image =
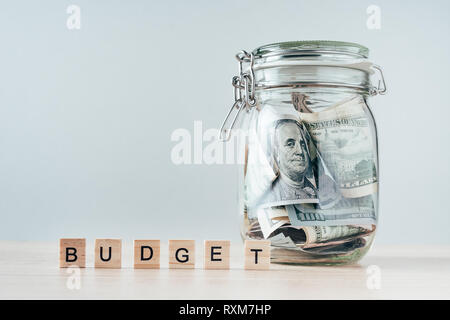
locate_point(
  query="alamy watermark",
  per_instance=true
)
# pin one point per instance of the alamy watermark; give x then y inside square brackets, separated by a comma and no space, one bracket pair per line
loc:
[73,21]
[74,279]
[203,146]
[373,281]
[374,19]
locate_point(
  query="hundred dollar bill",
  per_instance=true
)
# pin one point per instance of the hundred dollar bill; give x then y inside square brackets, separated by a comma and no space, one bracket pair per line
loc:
[319,254]
[343,135]
[357,211]
[339,237]
[322,234]
[268,226]
[259,173]
[305,236]
[317,237]
[278,213]
[280,240]
[284,167]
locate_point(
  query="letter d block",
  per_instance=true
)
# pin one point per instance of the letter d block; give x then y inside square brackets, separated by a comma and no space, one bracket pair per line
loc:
[146,254]
[181,254]
[108,253]
[257,254]
[217,254]
[72,252]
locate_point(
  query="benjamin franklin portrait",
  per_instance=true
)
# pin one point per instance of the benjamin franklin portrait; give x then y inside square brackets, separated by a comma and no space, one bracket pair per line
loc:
[291,157]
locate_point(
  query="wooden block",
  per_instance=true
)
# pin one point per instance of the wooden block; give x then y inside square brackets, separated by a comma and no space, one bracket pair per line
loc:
[108,253]
[181,254]
[217,254]
[72,252]
[146,254]
[257,254]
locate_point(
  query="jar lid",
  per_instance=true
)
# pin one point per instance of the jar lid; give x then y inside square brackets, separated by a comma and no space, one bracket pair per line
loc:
[311,49]
[278,65]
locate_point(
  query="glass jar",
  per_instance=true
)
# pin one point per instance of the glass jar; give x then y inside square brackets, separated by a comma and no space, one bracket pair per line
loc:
[309,175]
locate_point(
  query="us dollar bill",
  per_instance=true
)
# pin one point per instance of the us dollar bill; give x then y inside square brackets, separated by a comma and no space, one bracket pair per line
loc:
[280,240]
[259,172]
[344,137]
[348,211]
[305,236]
[268,226]
[278,213]
[320,234]
[283,166]
[319,237]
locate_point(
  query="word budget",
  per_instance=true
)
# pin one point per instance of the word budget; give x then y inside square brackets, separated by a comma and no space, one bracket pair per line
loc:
[108,254]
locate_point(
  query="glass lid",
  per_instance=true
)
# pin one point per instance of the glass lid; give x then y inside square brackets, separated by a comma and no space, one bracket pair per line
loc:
[311,48]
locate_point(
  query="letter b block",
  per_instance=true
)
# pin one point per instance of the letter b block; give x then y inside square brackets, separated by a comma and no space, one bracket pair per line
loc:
[146,254]
[257,254]
[181,254]
[72,252]
[108,253]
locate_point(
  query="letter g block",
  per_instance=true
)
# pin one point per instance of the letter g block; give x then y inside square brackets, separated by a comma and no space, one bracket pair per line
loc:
[181,254]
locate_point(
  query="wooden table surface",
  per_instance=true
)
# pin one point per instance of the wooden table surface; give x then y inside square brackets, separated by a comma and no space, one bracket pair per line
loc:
[29,270]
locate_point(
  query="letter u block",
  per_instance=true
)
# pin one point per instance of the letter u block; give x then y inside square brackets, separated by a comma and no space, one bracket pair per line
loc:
[181,254]
[72,252]
[108,253]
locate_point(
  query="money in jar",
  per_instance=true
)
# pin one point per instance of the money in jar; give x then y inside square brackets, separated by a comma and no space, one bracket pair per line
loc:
[306,134]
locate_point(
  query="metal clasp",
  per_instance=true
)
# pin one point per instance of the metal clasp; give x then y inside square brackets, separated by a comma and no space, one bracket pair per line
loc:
[381,89]
[244,93]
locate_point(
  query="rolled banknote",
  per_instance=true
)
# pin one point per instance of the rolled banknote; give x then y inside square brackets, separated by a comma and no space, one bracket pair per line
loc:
[356,211]
[306,235]
[324,234]
[324,254]
[308,238]
[344,136]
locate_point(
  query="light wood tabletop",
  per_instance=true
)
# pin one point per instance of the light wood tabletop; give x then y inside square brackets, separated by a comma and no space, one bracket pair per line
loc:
[29,270]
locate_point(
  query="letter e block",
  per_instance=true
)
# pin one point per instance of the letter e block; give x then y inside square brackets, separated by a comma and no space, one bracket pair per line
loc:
[257,254]
[146,254]
[108,253]
[72,252]
[181,254]
[217,254]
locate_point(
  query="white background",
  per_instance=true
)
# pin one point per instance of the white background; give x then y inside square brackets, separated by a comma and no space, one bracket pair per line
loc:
[86,115]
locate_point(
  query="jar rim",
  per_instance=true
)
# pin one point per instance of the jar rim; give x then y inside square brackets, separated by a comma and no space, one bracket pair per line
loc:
[311,46]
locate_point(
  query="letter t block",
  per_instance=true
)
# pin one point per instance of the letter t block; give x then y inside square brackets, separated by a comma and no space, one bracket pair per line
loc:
[257,254]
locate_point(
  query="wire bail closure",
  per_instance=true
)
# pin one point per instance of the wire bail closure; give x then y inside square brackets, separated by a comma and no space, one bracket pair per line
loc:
[381,89]
[244,93]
